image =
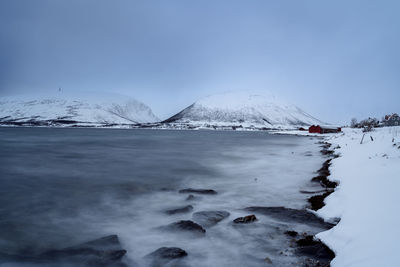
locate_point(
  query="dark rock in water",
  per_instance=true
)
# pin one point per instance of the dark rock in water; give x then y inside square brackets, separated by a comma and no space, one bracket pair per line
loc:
[268,260]
[104,242]
[292,215]
[198,191]
[291,233]
[325,145]
[190,197]
[184,209]
[166,256]
[327,152]
[323,180]
[317,201]
[186,226]
[324,170]
[210,218]
[315,249]
[105,251]
[166,189]
[246,219]
[323,174]
[168,253]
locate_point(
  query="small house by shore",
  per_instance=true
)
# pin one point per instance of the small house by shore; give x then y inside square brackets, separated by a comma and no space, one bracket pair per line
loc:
[323,129]
[392,120]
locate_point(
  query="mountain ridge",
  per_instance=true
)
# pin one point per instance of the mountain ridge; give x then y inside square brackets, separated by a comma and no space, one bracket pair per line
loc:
[81,108]
[242,108]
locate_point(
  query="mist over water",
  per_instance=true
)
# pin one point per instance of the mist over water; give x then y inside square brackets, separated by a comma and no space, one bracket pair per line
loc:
[62,187]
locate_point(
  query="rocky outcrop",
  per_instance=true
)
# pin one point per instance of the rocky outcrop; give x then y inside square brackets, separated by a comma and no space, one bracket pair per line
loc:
[210,218]
[184,209]
[246,219]
[292,215]
[187,227]
[166,256]
[168,253]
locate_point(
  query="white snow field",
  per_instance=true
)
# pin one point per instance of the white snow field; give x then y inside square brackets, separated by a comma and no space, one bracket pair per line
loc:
[90,108]
[246,109]
[367,199]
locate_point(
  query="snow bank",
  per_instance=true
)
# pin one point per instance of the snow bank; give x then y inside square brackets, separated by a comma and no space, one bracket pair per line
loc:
[366,199]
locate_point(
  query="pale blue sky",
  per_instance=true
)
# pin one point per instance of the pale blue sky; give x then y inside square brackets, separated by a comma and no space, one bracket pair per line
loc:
[335,59]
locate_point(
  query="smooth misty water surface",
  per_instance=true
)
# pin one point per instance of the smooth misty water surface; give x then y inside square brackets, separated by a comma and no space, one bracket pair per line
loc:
[60,187]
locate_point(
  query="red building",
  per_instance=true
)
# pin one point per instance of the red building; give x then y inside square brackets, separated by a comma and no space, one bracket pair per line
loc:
[323,129]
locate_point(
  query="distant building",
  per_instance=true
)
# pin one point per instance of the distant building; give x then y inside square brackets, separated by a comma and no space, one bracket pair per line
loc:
[323,129]
[369,123]
[392,120]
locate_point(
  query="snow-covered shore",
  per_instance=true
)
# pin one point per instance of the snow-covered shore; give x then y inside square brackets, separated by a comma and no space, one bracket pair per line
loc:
[366,199]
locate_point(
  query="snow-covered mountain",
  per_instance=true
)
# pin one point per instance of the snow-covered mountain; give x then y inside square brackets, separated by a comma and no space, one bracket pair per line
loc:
[245,109]
[74,108]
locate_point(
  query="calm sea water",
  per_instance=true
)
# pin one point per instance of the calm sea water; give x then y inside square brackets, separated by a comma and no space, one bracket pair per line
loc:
[60,187]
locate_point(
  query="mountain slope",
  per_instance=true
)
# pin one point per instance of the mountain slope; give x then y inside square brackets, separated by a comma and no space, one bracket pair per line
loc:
[241,108]
[82,108]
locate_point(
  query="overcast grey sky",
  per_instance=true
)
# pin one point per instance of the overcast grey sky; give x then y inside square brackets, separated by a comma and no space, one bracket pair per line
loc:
[335,59]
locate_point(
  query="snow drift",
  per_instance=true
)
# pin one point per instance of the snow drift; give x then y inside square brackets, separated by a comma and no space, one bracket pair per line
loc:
[366,199]
[243,108]
[82,108]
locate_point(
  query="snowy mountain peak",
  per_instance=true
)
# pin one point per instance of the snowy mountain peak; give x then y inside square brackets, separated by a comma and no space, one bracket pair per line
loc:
[82,108]
[246,109]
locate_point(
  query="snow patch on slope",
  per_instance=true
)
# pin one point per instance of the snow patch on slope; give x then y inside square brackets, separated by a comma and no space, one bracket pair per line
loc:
[102,108]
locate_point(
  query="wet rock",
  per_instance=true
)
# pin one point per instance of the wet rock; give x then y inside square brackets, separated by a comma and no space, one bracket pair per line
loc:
[246,219]
[327,152]
[291,233]
[209,218]
[324,170]
[292,215]
[317,201]
[198,191]
[315,249]
[190,197]
[324,145]
[323,180]
[168,253]
[184,209]
[268,260]
[110,241]
[166,256]
[323,174]
[186,226]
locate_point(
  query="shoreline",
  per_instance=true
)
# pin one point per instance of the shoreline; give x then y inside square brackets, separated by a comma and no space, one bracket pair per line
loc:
[365,199]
